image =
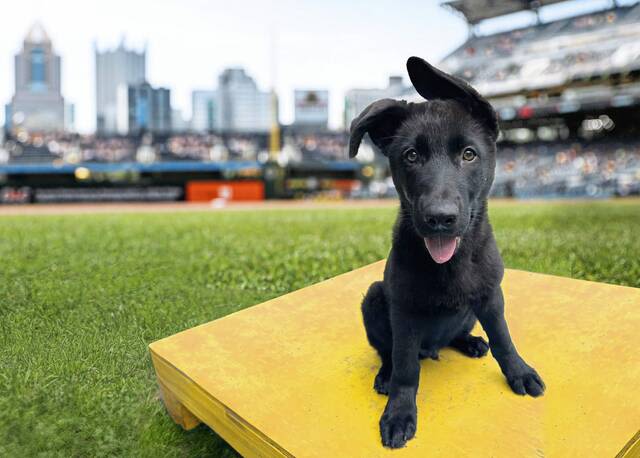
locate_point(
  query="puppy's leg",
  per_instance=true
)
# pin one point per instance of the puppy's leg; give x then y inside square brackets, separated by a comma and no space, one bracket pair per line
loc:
[522,378]
[375,314]
[465,343]
[399,420]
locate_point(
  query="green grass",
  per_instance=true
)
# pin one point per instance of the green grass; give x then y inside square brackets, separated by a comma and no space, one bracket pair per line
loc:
[82,297]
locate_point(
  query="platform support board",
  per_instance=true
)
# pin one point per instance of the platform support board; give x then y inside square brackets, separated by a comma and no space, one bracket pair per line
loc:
[178,412]
[293,376]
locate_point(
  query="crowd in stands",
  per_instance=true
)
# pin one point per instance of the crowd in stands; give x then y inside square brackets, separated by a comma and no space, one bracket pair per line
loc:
[505,43]
[74,148]
[66,147]
[596,168]
[209,147]
[322,147]
[504,56]
[533,169]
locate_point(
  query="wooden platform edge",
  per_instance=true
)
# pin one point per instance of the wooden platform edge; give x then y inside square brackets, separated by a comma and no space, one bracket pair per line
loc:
[188,405]
[632,449]
[177,411]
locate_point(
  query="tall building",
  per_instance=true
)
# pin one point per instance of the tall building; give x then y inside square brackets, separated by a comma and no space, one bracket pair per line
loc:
[357,100]
[37,104]
[203,109]
[115,68]
[311,109]
[241,106]
[178,123]
[7,117]
[69,117]
[143,108]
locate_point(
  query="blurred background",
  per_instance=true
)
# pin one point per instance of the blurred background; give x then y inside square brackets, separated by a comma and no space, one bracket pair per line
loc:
[200,101]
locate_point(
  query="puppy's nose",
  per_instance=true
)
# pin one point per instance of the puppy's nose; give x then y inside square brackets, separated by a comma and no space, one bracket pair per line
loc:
[441,216]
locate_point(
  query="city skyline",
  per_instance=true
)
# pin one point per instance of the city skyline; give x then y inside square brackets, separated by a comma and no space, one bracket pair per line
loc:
[190,43]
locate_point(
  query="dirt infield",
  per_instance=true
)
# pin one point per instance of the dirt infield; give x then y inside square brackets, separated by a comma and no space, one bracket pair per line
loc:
[170,207]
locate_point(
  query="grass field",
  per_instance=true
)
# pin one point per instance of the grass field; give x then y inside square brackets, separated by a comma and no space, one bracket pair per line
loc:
[83,295]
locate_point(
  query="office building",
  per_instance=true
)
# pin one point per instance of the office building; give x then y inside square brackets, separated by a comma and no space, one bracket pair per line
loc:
[115,68]
[69,117]
[311,109]
[203,109]
[178,123]
[37,104]
[357,100]
[240,105]
[142,108]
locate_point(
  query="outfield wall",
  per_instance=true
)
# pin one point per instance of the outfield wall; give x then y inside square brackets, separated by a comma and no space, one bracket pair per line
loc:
[171,181]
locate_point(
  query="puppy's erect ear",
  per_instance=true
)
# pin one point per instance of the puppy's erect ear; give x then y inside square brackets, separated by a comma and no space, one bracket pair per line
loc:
[380,120]
[432,83]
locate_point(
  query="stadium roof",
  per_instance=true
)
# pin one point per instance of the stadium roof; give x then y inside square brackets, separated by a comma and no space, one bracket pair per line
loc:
[478,10]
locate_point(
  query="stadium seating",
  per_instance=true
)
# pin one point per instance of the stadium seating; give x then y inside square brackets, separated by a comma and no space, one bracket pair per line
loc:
[75,148]
[600,168]
[549,53]
[572,169]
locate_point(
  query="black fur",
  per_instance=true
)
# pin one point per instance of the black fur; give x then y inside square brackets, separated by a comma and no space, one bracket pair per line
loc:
[422,306]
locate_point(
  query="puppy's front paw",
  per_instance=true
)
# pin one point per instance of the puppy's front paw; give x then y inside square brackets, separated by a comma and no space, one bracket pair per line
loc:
[397,427]
[526,381]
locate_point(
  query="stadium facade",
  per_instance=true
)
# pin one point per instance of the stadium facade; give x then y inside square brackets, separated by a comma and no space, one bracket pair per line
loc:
[577,64]
[567,94]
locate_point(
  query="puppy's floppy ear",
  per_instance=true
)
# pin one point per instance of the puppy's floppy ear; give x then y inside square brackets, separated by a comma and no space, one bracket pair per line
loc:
[432,83]
[380,120]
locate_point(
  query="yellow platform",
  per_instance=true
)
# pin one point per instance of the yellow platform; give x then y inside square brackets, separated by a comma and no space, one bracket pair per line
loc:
[294,376]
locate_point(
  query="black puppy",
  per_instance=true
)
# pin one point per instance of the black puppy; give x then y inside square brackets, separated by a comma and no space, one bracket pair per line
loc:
[444,269]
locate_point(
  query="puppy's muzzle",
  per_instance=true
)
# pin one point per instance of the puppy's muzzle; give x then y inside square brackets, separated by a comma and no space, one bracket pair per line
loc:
[440,217]
[437,222]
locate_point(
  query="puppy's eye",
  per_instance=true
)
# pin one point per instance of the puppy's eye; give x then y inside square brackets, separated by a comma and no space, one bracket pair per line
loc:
[411,155]
[469,154]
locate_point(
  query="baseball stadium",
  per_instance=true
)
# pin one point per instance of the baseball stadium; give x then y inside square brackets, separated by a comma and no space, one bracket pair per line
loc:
[113,240]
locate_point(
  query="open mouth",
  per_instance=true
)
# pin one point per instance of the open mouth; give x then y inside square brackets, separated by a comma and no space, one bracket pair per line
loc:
[441,248]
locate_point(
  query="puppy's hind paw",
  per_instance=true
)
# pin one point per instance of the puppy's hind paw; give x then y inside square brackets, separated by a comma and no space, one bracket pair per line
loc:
[472,346]
[426,353]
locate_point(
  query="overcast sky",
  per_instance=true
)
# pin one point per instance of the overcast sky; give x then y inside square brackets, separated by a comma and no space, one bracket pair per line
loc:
[322,44]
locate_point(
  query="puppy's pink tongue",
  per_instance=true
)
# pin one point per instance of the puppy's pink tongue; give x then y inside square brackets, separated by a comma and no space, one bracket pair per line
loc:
[441,248]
